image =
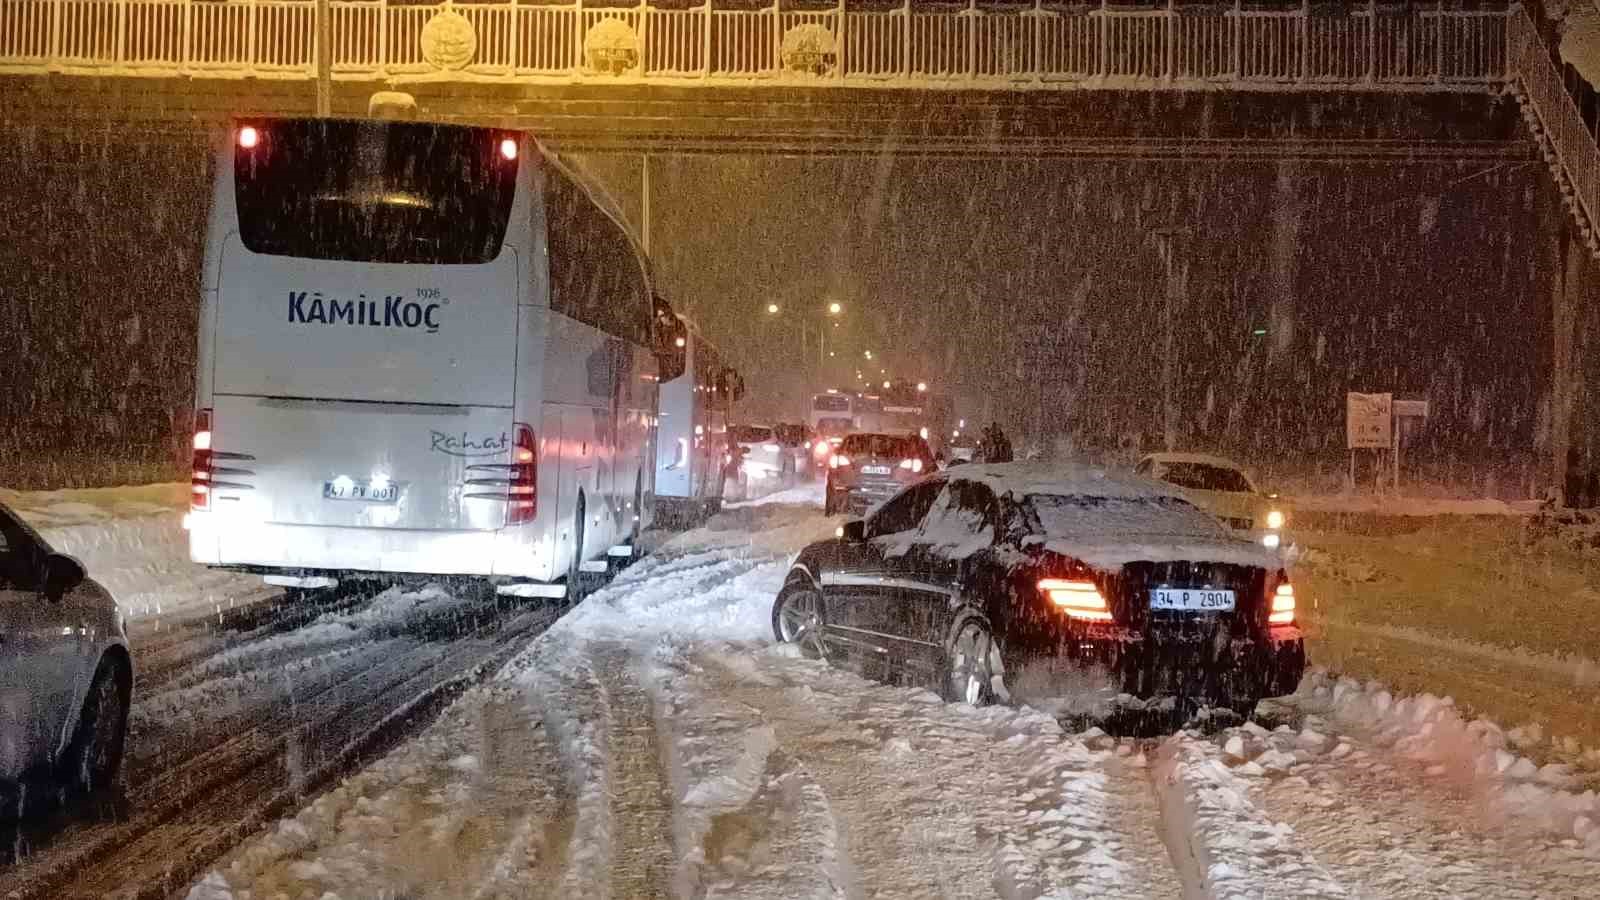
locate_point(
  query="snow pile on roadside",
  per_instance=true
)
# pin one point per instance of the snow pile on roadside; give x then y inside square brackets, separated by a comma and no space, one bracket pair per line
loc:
[1386,505]
[1478,756]
[131,540]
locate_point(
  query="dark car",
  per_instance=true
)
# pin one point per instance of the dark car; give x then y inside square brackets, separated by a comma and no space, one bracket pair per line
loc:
[871,466]
[65,672]
[972,572]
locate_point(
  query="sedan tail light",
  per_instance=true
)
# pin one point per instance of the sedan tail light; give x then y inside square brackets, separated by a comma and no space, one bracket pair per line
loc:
[838,461]
[1078,599]
[1282,605]
[914,465]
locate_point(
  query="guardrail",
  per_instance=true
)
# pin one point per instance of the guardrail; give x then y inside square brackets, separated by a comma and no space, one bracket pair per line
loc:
[906,46]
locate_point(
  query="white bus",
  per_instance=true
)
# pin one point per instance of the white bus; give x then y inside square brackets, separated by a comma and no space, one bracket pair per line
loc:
[694,451]
[424,350]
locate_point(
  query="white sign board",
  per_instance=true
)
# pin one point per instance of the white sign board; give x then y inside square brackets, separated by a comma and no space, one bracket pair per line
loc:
[1410,409]
[1369,420]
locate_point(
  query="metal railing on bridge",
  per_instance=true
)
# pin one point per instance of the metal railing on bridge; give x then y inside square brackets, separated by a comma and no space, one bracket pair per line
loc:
[912,45]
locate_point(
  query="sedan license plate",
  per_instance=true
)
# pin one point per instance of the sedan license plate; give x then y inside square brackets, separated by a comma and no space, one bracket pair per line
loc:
[876,470]
[1191,599]
[364,491]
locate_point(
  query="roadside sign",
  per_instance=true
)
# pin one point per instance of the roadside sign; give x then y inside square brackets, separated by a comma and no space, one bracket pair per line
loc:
[1369,421]
[1410,409]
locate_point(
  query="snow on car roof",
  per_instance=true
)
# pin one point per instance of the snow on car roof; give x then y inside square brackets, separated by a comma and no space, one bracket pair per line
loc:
[1203,458]
[1107,539]
[1021,479]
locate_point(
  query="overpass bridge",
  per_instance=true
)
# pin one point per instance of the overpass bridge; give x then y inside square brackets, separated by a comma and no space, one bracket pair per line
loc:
[1155,79]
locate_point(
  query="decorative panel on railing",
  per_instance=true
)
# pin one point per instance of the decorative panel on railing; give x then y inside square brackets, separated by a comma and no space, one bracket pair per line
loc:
[911,45]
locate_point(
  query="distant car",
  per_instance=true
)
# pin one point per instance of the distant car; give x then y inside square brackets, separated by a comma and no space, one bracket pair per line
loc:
[961,449]
[66,676]
[763,461]
[971,573]
[795,439]
[868,467]
[1221,487]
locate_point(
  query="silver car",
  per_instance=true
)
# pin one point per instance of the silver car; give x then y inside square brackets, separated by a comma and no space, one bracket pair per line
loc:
[65,671]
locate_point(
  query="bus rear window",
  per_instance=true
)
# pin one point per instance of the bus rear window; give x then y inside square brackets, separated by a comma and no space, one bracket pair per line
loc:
[393,192]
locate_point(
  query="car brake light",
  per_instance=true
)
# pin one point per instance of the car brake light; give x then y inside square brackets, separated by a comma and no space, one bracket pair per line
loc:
[522,488]
[1078,599]
[914,465]
[823,448]
[1282,605]
[838,461]
[201,464]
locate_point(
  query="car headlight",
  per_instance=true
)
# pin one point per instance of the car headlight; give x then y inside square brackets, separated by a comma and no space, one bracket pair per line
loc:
[1274,519]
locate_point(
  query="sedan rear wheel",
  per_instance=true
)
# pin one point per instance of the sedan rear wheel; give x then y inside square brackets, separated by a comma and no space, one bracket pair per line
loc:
[797,618]
[971,665]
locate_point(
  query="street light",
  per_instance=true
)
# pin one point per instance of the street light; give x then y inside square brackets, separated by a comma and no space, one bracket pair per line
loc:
[869,354]
[834,309]
[922,387]
[772,309]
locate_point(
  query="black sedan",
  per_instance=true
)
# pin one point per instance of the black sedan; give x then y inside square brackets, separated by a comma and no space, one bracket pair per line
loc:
[972,572]
[871,466]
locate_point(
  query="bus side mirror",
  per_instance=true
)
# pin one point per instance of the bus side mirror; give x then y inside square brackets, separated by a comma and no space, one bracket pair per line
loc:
[672,351]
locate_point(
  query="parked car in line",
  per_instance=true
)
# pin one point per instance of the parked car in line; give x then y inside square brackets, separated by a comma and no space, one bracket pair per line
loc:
[968,574]
[763,461]
[871,466]
[66,676]
[1223,488]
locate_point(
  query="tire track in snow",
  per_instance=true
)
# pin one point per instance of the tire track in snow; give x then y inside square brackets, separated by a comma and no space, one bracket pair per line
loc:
[933,799]
[1222,844]
[642,862]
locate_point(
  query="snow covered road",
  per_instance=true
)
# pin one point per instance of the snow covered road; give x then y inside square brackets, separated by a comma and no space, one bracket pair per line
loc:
[654,743]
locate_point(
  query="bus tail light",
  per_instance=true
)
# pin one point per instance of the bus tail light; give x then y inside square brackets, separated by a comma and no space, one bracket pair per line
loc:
[1078,599]
[522,488]
[249,137]
[508,149]
[202,465]
[1282,605]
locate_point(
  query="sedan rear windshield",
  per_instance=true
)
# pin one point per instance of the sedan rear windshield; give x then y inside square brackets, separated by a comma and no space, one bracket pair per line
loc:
[751,434]
[1084,515]
[881,445]
[1204,477]
[394,192]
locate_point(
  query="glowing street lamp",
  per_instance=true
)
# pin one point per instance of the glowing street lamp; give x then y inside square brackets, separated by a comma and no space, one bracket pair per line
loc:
[869,354]
[772,309]
[834,309]
[922,387]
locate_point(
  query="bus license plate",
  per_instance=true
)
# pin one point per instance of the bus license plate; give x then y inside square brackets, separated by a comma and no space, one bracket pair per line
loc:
[346,489]
[1191,599]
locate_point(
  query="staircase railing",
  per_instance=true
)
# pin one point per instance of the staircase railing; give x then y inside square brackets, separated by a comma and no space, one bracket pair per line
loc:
[1554,115]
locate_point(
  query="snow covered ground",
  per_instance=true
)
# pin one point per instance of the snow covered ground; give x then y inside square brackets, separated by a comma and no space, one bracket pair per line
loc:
[656,743]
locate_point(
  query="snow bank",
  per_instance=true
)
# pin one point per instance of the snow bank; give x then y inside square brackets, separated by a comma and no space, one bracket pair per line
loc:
[131,540]
[1477,756]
